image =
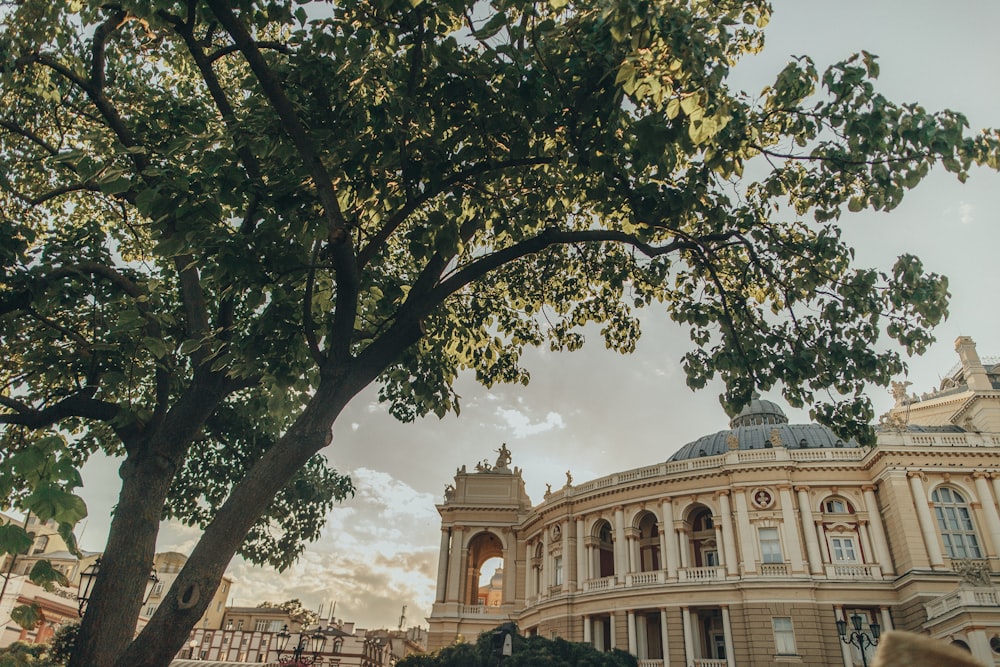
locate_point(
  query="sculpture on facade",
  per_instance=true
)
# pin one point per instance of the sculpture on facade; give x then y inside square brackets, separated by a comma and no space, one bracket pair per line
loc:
[569,478]
[504,458]
[449,492]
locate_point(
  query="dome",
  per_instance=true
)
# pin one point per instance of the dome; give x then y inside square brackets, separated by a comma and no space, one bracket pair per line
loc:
[759,411]
[758,426]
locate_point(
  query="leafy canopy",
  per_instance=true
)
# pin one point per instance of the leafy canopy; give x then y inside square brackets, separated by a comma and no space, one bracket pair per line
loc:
[219,221]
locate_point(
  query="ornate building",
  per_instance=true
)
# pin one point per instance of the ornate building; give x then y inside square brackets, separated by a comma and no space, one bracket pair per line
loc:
[748,545]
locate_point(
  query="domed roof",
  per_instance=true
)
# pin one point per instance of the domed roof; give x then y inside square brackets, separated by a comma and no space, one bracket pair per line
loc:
[755,427]
[759,411]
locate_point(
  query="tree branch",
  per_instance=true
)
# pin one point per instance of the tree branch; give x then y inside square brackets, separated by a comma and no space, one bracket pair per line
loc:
[80,404]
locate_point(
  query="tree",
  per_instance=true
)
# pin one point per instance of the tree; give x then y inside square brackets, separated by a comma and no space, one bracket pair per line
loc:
[219,221]
[21,654]
[296,612]
[526,652]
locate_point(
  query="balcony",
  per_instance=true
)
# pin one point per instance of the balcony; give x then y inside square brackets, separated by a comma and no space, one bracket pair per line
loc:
[853,571]
[602,584]
[774,569]
[483,610]
[962,598]
[645,578]
[706,662]
[701,574]
[650,663]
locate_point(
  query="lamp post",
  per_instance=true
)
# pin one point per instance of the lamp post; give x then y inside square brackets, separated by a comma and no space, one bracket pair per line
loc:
[89,577]
[295,657]
[858,637]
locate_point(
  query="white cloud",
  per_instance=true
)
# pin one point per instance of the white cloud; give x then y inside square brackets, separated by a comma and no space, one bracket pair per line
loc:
[966,213]
[520,424]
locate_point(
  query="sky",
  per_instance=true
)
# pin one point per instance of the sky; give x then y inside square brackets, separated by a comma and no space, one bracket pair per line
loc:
[594,412]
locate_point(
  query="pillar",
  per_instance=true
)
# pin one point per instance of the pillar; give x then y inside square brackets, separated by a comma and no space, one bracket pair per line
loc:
[845,650]
[979,644]
[881,545]
[867,555]
[545,578]
[614,632]
[669,539]
[633,646]
[442,580]
[809,531]
[789,527]
[685,548]
[728,535]
[663,637]
[621,557]
[989,509]
[582,573]
[689,656]
[587,639]
[456,563]
[509,571]
[747,538]
[569,580]
[727,629]
[926,521]
[886,619]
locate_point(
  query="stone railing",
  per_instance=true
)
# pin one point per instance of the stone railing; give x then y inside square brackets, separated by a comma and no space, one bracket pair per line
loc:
[705,662]
[853,571]
[645,578]
[481,610]
[701,574]
[774,569]
[963,597]
[650,663]
[602,584]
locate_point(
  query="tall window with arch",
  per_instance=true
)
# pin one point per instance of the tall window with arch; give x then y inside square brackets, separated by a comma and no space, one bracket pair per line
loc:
[954,520]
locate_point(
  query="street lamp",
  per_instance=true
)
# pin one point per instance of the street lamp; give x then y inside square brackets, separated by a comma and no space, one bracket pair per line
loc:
[313,642]
[89,577]
[858,637]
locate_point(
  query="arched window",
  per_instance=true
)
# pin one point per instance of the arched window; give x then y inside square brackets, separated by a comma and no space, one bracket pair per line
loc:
[955,523]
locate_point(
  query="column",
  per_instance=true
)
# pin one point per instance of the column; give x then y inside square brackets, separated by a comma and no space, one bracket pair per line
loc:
[621,557]
[582,573]
[632,643]
[886,619]
[979,644]
[509,571]
[442,581]
[669,539]
[925,520]
[569,582]
[789,527]
[824,544]
[614,632]
[685,548]
[545,578]
[663,637]
[586,630]
[728,535]
[996,485]
[455,564]
[718,539]
[747,537]
[877,530]
[635,561]
[866,547]
[809,530]
[688,638]
[989,509]
[529,562]
[727,629]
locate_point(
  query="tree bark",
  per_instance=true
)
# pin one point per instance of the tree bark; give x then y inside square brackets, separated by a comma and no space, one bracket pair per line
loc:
[186,601]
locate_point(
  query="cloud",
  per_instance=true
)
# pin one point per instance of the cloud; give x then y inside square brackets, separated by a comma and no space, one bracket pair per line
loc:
[966,213]
[520,424]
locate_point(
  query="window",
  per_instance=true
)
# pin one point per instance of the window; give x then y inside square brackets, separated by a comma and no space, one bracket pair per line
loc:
[239,624]
[837,506]
[558,574]
[150,610]
[770,546]
[843,550]
[261,625]
[711,558]
[157,588]
[784,635]
[955,524]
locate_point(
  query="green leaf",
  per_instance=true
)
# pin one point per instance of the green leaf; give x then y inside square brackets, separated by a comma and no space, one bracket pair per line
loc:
[14,539]
[49,502]
[46,576]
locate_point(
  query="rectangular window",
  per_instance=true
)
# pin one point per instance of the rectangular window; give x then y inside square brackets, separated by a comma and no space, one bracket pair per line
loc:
[150,610]
[784,635]
[261,625]
[558,579]
[770,546]
[843,550]
[711,558]
[239,624]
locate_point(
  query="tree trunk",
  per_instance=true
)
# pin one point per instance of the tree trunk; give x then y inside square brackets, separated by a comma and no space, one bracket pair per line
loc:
[186,601]
[109,622]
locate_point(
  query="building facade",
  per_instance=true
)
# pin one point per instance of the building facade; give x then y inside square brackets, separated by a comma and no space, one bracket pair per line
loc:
[747,545]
